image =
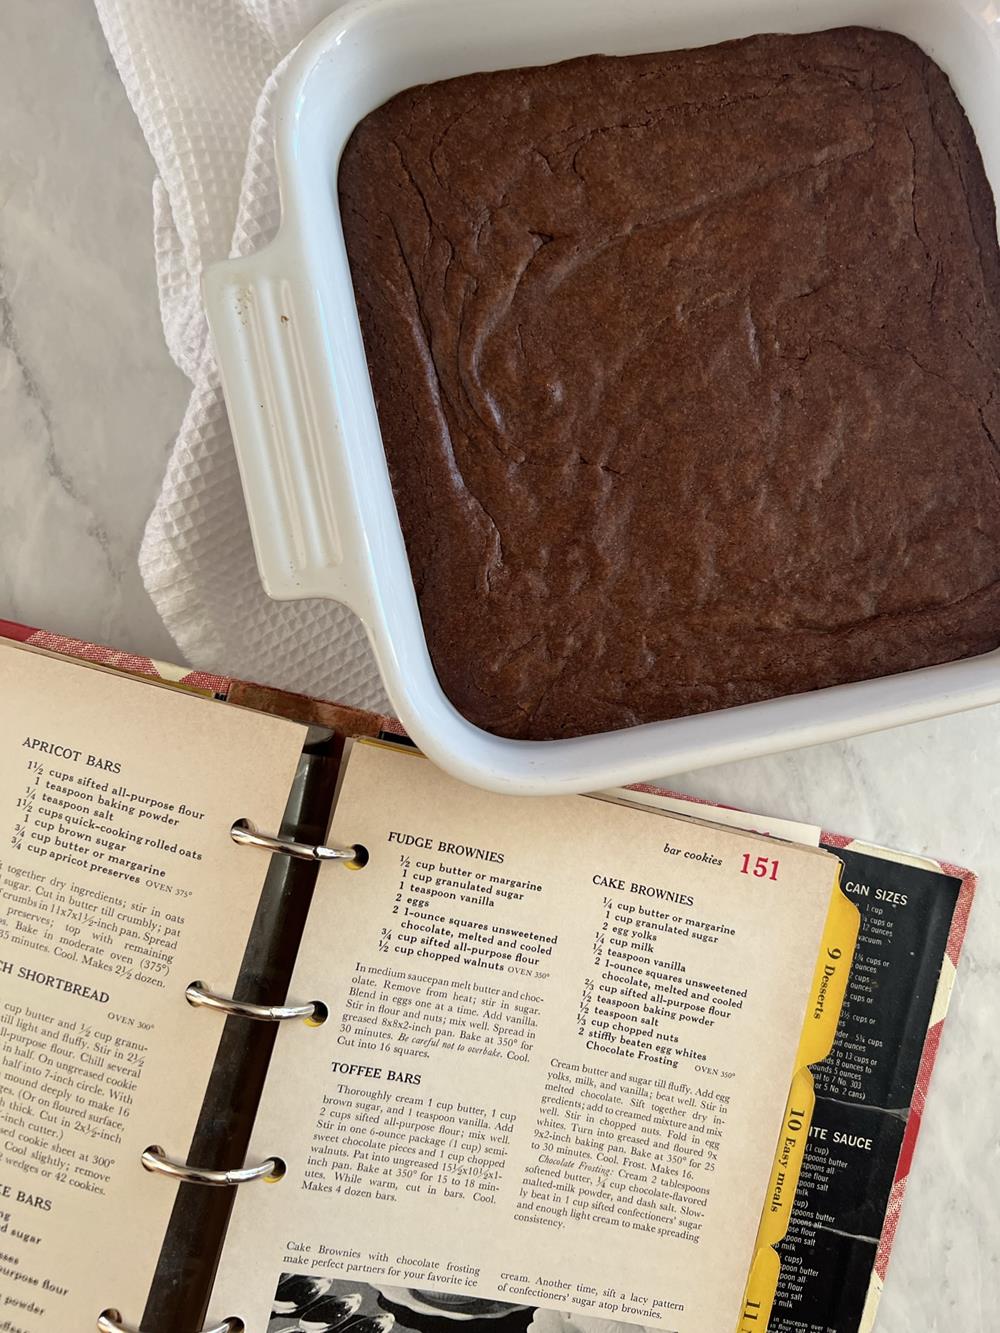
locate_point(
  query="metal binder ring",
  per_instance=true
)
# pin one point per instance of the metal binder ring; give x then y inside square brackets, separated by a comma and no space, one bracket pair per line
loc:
[111,1322]
[155,1159]
[201,997]
[246,835]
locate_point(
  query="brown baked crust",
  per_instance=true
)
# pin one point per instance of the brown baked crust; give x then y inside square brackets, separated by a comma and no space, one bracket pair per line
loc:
[687,370]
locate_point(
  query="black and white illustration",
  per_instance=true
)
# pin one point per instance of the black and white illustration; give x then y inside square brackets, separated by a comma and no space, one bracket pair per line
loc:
[307,1304]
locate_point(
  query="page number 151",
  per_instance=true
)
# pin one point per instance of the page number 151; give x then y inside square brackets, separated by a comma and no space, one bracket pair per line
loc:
[760,867]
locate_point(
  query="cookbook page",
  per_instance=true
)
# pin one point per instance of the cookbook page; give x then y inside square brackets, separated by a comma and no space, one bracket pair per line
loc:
[551,1084]
[119,885]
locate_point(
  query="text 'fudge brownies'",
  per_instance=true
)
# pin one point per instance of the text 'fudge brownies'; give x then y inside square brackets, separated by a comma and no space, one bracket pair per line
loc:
[688,373]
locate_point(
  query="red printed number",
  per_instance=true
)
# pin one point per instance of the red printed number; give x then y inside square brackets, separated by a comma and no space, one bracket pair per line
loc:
[760,868]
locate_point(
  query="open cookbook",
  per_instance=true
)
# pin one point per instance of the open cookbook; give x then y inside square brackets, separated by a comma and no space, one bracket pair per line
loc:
[298,1033]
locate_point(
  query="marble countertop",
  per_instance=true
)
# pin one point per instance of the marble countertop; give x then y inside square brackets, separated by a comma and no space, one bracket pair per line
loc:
[89,398]
[89,401]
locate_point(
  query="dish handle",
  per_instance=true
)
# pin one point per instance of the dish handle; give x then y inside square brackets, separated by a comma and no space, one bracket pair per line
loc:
[264,322]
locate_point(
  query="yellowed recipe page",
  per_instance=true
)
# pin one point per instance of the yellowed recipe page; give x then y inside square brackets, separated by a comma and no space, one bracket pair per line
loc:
[119,885]
[560,1042]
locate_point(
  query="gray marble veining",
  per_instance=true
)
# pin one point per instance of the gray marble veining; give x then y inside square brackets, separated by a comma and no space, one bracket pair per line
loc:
[89,400]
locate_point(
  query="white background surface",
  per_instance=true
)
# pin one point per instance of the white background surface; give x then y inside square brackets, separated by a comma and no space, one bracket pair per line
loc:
[89,401]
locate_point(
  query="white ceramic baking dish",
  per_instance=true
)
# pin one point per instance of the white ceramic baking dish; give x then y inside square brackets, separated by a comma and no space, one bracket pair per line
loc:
[296,382]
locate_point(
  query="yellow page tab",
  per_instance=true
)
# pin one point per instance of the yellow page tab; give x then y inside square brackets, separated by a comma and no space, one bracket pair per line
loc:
[833,969]
[788,1159]
[761,1291]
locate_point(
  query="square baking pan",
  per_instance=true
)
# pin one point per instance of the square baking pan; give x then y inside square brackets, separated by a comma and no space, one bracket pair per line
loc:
[296,381]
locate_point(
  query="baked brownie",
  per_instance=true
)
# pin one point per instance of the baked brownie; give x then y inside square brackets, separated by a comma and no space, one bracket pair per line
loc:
[687,367]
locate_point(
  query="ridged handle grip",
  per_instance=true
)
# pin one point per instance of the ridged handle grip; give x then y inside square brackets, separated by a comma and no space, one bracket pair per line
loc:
[263,324]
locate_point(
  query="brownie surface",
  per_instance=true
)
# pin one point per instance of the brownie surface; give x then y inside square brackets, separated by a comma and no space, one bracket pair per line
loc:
[687,370]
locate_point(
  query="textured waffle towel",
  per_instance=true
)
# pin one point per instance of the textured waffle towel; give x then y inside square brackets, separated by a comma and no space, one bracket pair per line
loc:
[201,76]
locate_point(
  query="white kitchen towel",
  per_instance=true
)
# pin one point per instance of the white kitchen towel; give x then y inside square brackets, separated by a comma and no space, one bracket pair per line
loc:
[201,76]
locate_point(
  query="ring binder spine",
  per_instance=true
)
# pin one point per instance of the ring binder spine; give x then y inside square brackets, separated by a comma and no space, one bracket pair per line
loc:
[155,1159]
[180,1290]
[110,1321]
[244,833]
[199,995]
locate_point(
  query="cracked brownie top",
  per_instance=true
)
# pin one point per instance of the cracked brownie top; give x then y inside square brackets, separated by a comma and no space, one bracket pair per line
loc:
[687,370]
